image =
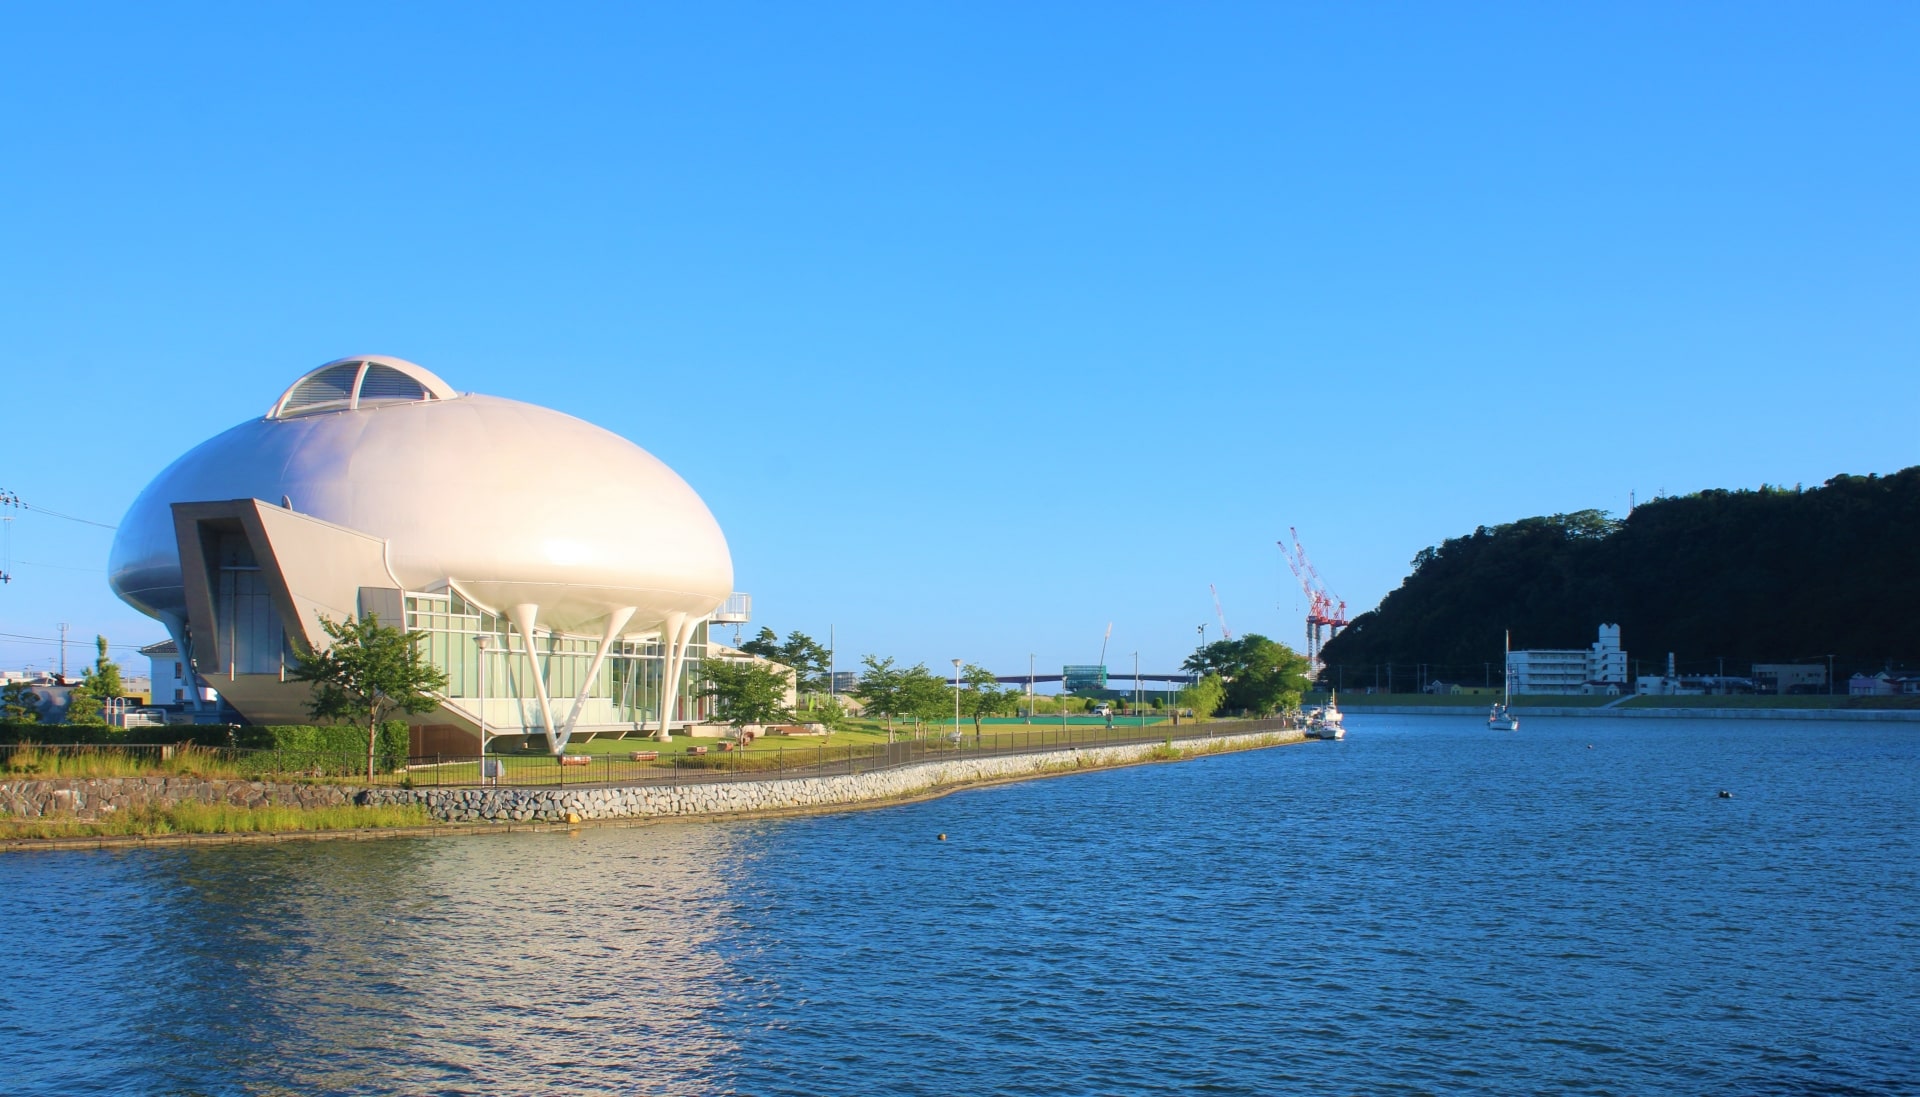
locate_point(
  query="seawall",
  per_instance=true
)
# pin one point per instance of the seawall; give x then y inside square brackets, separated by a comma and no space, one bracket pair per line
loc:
[90,799]
[794,794]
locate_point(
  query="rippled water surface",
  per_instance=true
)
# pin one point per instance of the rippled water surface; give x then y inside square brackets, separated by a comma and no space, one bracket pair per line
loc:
[1427,907]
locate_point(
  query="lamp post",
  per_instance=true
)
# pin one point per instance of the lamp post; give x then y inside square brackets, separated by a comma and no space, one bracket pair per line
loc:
[481,705]
[956,700]
[1029,687]
[1137,692]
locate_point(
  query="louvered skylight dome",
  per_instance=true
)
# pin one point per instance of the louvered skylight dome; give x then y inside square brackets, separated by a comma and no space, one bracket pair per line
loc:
[350,384]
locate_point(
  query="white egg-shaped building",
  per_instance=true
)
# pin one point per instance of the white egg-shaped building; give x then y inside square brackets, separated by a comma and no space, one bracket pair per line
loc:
[498,528]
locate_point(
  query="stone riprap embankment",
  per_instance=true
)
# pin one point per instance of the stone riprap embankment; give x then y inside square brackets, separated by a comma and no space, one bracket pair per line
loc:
[793,794]
[89,799]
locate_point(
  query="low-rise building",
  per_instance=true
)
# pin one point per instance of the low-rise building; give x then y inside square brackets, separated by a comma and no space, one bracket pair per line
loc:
[1781,678]
[1601,668]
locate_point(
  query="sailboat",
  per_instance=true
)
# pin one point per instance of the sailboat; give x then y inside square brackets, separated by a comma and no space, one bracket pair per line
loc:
[1502,717]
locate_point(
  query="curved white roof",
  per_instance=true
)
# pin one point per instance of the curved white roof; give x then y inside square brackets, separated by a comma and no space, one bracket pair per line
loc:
[511,502]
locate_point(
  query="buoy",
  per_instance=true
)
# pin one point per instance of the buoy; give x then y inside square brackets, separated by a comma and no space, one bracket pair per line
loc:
[572,818]
[943,837]
[1725,795]
[1589,746]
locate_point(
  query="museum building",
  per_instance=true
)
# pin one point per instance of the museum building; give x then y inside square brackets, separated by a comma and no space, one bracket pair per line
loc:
[564,578]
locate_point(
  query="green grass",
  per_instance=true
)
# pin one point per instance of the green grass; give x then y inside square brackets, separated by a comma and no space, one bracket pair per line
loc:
[1791,701]
[185,761]
[219,819]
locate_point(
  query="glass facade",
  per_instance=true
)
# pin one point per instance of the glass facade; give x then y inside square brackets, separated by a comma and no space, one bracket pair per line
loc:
[625,691]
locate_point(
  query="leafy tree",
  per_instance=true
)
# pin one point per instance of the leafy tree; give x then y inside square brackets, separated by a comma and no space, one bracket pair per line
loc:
[1205,696]
[829,713]
[99,684]
[745,692]
[924,695]
[880,688]
[1260,676]
[981,695]
[17,705]
[806,656]
[368,672]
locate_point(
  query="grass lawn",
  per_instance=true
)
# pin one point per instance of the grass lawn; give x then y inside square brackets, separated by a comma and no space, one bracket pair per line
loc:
[218,819]
[1790,701]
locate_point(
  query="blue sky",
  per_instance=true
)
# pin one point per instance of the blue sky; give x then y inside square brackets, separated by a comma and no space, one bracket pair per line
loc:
[980,326]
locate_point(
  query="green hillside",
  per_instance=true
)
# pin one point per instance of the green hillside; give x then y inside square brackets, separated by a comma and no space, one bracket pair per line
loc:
[1773,575]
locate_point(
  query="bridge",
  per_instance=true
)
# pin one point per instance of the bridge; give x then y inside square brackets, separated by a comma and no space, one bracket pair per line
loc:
[1184,678]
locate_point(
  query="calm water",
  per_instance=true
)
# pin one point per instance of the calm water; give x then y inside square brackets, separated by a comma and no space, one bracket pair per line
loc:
[1427,907]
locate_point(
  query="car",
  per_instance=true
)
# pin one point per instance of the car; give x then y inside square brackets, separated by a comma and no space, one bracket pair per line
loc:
[1103,710]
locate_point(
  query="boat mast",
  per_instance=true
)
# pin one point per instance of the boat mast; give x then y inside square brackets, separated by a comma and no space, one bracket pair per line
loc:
[1506,672]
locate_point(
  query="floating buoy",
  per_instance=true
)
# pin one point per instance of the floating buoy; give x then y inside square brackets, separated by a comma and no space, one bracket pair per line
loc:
[1589,746]
[572,818]
[943,837]
[1725,795]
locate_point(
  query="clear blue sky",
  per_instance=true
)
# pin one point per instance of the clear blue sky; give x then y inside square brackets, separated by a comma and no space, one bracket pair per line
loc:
[980,326]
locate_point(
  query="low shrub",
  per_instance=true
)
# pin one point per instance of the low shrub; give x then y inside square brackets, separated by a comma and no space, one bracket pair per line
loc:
[329,746]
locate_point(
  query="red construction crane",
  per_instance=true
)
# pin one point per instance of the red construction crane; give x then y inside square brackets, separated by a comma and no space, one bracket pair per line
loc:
[1324,610]
[1225,632]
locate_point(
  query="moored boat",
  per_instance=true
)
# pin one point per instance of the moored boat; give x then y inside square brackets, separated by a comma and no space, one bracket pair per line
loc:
[1502,717]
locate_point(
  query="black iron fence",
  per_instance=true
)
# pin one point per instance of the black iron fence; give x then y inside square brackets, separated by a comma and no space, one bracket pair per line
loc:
[621,762]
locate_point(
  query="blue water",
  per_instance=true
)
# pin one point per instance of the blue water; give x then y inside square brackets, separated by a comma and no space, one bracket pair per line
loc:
[1427,907]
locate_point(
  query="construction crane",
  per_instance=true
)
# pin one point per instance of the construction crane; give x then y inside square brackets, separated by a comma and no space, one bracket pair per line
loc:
[1225,632]
[1326,613]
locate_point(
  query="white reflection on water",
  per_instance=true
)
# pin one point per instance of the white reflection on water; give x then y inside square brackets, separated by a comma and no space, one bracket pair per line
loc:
[540,963]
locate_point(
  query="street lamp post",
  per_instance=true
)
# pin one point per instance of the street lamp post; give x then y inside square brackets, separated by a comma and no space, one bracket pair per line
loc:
[1030,687]
[956,700]
[480,706]
[1138,693]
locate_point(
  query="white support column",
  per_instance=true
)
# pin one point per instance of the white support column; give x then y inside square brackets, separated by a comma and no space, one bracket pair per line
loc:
[615,623]
[670,670]
[522,616]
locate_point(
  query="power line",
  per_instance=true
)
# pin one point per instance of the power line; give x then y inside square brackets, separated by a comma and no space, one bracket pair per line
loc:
[12,499]
[55,640]
[60,565]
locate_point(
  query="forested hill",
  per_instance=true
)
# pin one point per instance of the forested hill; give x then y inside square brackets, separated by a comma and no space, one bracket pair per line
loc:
[1774,575]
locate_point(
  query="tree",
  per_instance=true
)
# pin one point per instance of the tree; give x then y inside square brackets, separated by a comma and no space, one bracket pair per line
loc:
[879,688]
[17,704]
[745,692]
[1205,696]
[924,696]
[368,672]
[99,684]
[981,695]
[806,656]
[1260,676]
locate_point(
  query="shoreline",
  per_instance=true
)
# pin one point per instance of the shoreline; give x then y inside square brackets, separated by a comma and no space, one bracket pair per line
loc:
[1047,764]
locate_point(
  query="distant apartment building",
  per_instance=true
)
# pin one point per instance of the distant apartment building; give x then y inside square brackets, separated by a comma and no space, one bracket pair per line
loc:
[1601,668]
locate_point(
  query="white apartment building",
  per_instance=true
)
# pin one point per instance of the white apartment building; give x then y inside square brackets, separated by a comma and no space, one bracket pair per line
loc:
[1601,668]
